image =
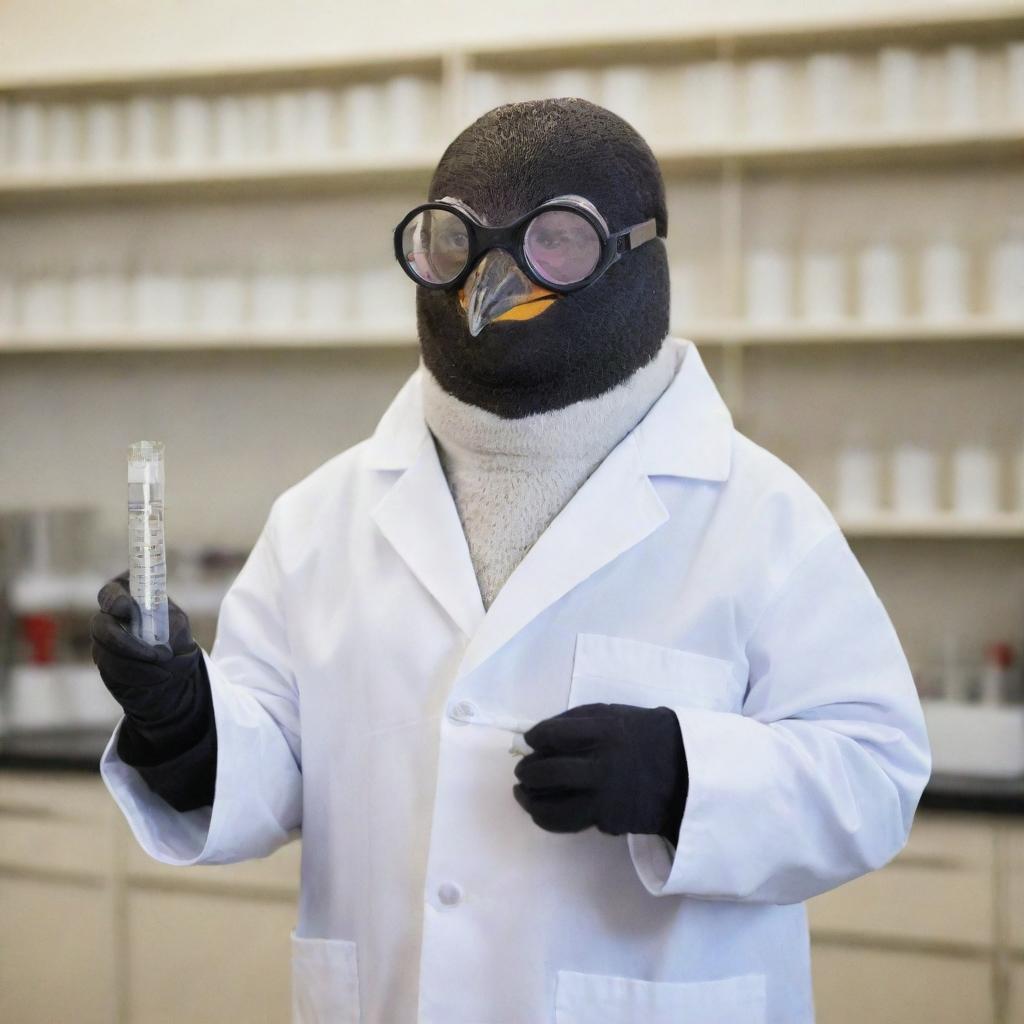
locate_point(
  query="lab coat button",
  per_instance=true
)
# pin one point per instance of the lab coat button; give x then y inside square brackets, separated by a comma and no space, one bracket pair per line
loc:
[464,710]
[449,894]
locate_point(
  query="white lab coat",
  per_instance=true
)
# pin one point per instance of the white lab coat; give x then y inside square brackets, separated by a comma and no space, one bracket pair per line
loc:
[363,695]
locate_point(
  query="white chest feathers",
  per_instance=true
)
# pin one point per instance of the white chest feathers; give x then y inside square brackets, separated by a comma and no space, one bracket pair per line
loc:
[510,477]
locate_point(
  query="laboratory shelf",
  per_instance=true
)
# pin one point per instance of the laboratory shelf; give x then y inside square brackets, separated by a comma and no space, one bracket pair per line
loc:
[1005,526]
[338,175]
[387,335]
[169,181]
[853,331]
[400,335]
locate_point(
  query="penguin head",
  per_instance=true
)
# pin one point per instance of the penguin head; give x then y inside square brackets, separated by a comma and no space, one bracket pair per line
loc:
[548,349]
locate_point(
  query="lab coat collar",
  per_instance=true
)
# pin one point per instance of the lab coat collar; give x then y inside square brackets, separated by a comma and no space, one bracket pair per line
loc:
[687,432]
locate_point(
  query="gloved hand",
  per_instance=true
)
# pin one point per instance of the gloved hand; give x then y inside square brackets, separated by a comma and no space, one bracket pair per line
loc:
[169,734]
[620,768]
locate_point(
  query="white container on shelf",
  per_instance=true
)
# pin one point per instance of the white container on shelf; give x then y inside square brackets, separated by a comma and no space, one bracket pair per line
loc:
[273,300]
[830,84]
[943,280]
[1005,277]
[768,286]
[326,300]
[766,98]
[975,482]
[626,91]
[975,739]
[961,82]
[1015,80]
[5,131]
[405,112]
[103,124]
[142,118]
[363,119]
[39,697]
[317,141]
[42,303]
[63,143]
[822,288]
[230,129]
[160,300]
[881,283]
[191,130]
[286,115]
[915,481]
[7,292]
[899,86]
[27,131]
[709,100]
[257,142]
[97,301]
[858,484]
[220,301]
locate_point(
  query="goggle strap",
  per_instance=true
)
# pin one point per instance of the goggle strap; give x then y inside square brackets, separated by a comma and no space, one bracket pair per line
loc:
[640,233]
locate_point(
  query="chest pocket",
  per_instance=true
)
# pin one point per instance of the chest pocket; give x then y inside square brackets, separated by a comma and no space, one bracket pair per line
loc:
[617,670]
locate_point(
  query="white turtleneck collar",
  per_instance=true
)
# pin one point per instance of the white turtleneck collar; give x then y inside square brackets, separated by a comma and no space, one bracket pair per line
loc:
[510,477]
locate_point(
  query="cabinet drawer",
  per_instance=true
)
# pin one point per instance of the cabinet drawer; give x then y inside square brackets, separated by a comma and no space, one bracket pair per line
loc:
[1015,889]
[58,824]
[856,986]
[208,958]
[939,889]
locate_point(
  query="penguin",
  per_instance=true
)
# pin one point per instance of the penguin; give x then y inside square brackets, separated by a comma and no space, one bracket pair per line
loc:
[525,389]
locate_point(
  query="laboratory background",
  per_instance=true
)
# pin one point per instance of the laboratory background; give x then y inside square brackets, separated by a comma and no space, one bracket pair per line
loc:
[196,206]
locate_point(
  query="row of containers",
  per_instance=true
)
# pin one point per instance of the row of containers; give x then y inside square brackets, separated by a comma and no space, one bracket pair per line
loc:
[972,482]
[942,281]
[896,89]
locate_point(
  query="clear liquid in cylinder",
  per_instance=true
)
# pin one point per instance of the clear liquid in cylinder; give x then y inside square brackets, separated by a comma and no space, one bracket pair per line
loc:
[147,563]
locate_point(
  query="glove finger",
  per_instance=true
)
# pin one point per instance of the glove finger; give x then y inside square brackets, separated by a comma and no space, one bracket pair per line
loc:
[115,599]
[110,634]
[541,774]
[555,814]
[567,733]
[181,641]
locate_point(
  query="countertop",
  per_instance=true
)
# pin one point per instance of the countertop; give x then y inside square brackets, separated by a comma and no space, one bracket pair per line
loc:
[79,750]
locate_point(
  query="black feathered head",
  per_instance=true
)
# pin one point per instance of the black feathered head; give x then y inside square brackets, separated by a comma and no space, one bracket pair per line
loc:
[574,345]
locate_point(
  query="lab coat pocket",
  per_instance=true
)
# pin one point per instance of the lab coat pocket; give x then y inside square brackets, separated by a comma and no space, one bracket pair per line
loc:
[604,999]
[325,981]
[617,670]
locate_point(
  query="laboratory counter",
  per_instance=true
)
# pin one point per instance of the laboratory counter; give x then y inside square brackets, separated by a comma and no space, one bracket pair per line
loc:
[79,750]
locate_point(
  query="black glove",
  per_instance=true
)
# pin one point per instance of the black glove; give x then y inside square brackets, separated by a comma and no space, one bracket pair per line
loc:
[618,767]
[169,734]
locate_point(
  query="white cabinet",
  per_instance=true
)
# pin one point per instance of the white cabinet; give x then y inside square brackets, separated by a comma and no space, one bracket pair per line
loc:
[885,986]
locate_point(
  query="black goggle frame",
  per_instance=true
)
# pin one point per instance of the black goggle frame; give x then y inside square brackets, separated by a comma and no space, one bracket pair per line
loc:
[510,237]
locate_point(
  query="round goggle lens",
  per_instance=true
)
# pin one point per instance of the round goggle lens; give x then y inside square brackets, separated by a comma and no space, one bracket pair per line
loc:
[436,246]
[562,246]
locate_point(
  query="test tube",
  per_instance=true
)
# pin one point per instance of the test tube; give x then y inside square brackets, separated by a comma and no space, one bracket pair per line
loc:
[146,560]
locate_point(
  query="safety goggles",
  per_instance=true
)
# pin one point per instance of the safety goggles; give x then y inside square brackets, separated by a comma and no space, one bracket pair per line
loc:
[564,244]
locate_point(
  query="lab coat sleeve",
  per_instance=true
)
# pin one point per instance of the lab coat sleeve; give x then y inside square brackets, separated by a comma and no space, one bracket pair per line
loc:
[258,796]
[817,780]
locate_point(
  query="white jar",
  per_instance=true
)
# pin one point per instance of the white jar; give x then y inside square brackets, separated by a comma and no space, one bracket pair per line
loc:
[159,300]
[881,285]
[975,482]
[766,98]
[191,134]
[944,281]
[103,129]
[363,119]
[683,292]
[405,112]
[219,301]
[915,480]
[830,92]
[626,90]
[326,300]
[27,134]
[822,290]
[899,74]
[769,286]
[858,485]
[143,129]
[230,129]
[42,303]
[274,300]
[1005,277]
[961,80]
[63,127]
[1015,80]
[709,100]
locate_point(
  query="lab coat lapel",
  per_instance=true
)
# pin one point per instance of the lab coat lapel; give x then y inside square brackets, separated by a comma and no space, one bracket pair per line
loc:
[616,508]
[417,514]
